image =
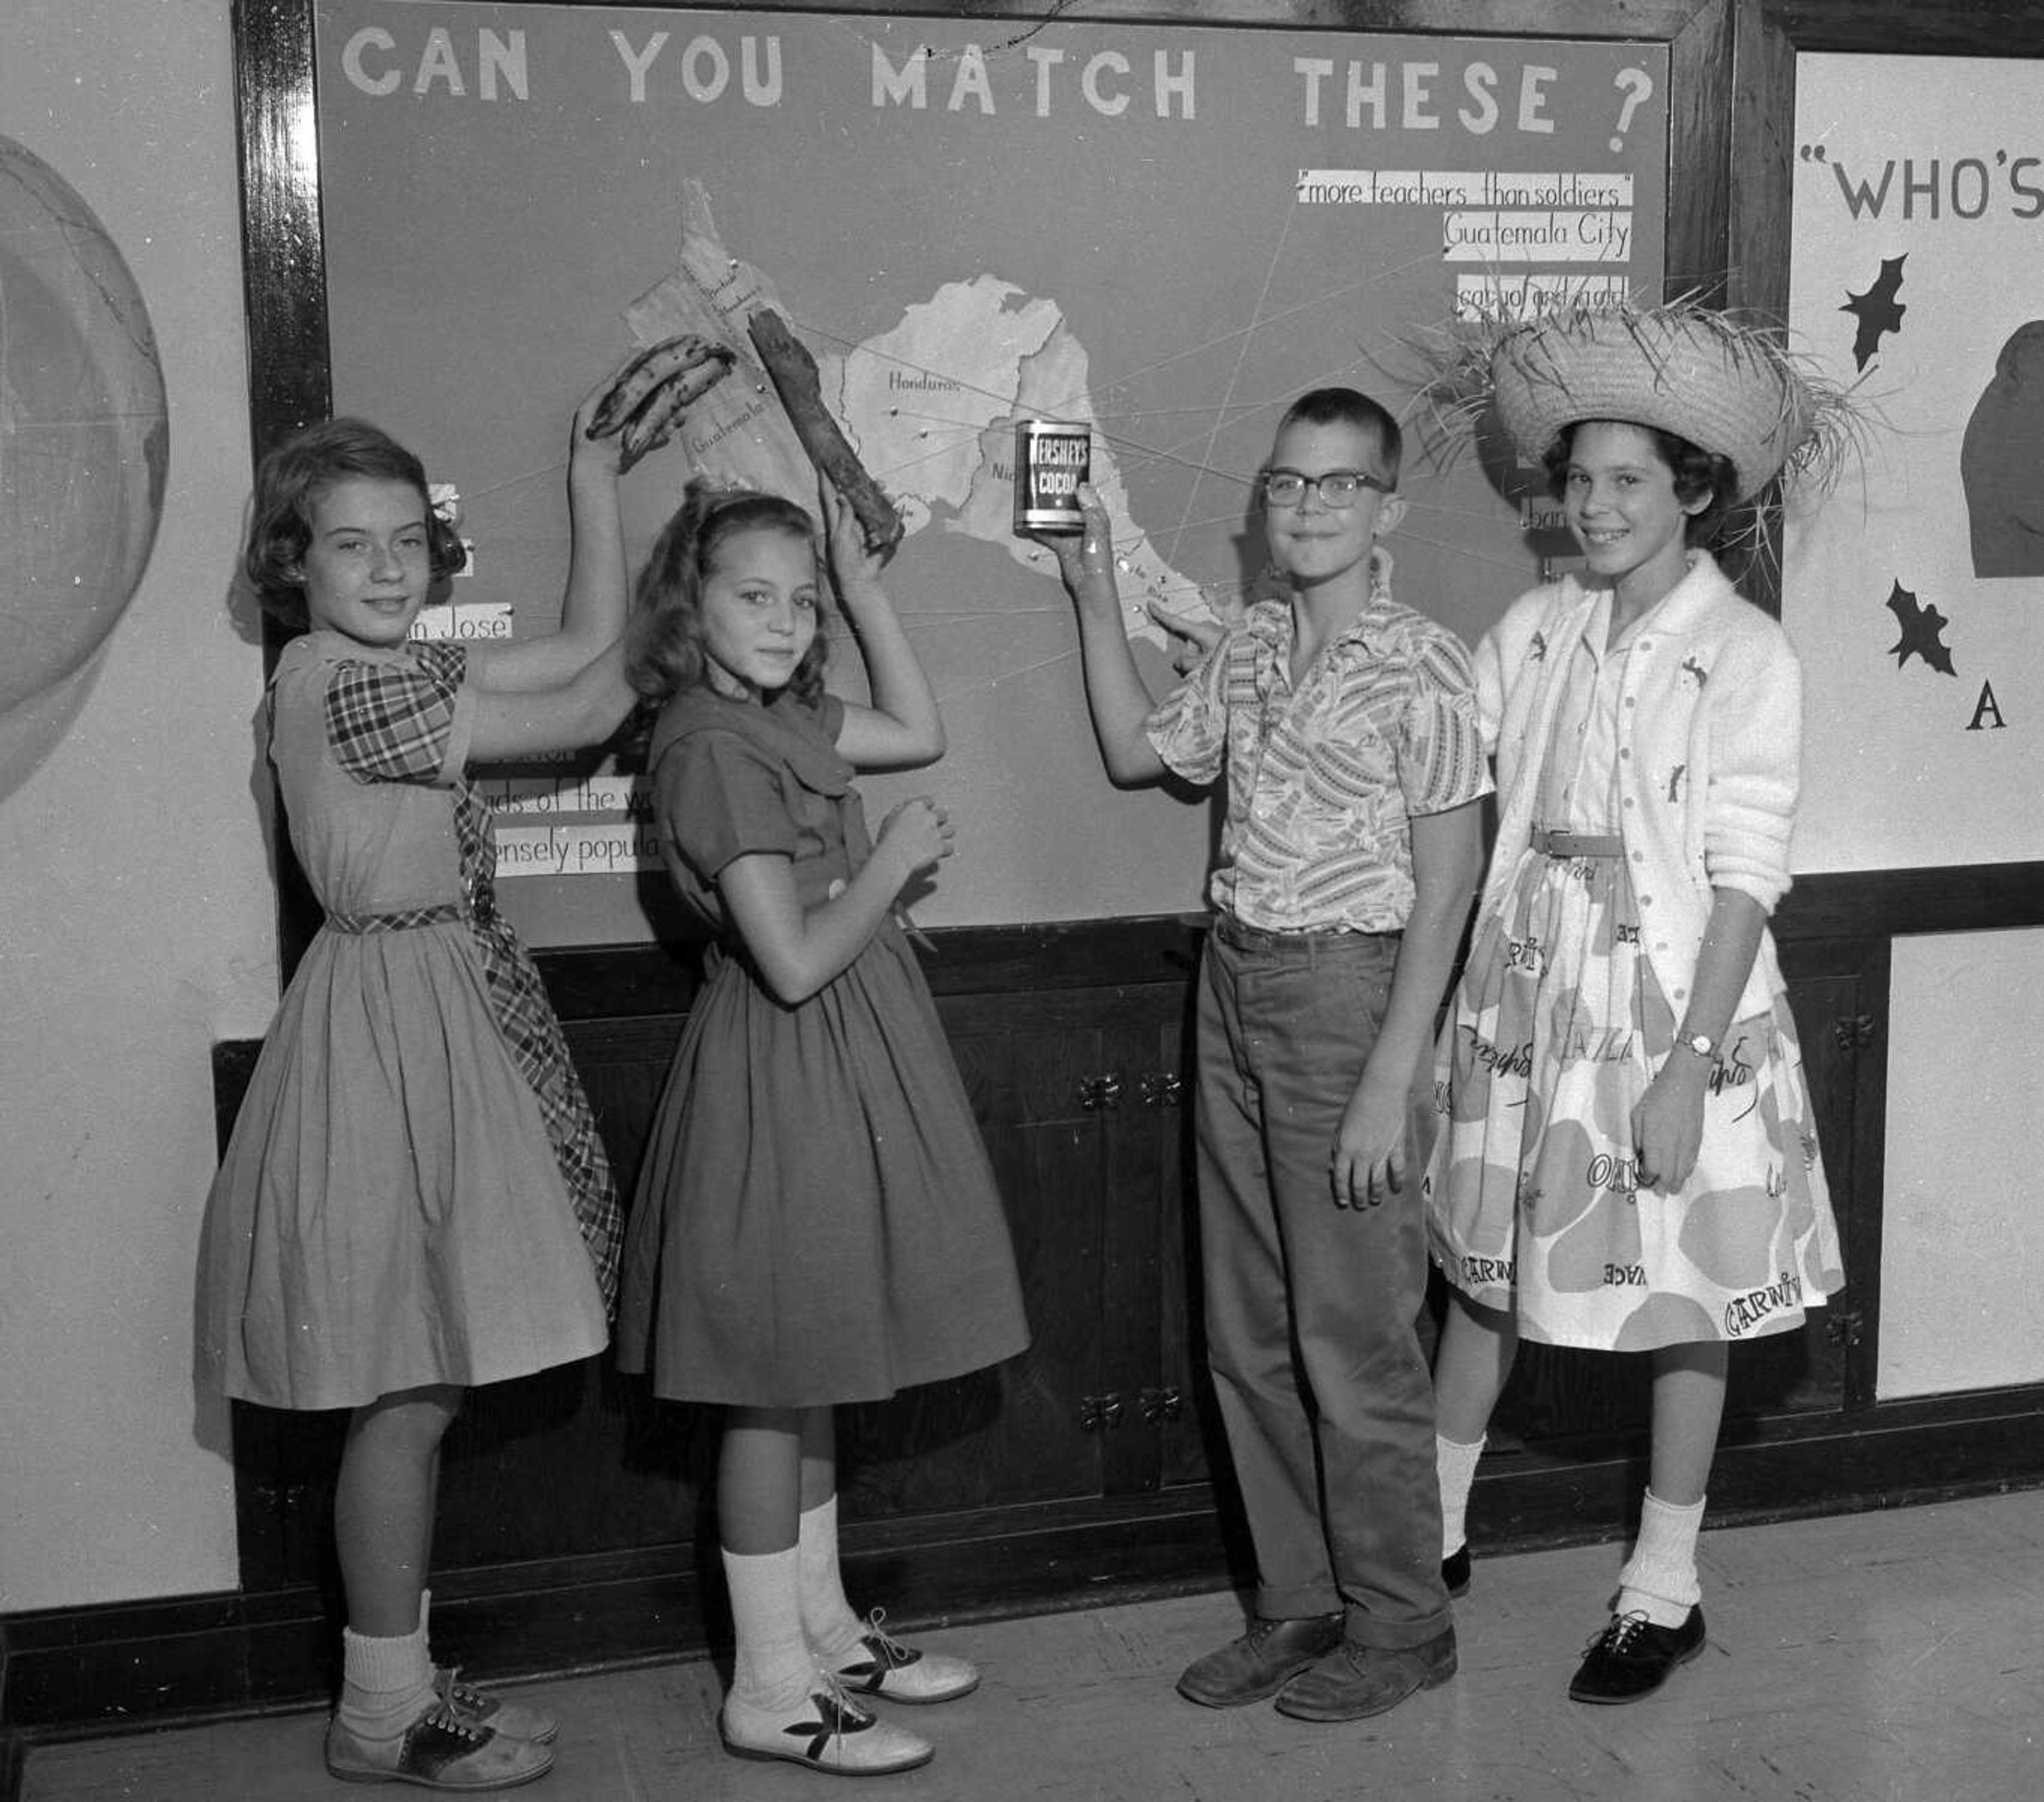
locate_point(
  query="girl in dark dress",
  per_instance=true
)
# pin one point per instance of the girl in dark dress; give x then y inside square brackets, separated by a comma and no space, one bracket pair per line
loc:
[817,1220]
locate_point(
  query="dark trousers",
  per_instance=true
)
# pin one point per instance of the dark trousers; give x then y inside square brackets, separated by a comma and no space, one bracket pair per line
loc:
[1312,1310]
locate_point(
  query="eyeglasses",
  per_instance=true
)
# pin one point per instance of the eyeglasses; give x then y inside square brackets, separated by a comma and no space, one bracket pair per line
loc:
[1335,487]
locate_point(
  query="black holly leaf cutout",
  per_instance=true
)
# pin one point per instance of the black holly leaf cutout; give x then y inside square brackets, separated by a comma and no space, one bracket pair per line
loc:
[1921,625]
[1877,309]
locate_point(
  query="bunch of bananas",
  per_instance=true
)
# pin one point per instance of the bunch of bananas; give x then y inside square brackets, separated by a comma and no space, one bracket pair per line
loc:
[646,402]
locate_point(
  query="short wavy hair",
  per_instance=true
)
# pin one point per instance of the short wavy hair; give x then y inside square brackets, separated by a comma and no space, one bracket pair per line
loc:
[663,648]
[1697,472]
[291,477]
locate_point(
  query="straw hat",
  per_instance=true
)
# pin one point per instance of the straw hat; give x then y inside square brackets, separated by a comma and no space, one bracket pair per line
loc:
[1727,388]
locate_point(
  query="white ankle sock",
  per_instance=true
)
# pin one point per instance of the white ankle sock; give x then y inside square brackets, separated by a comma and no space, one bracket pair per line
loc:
[1659,1580]
[829,1622]
[1454,1465]
[387,1684]
[772,1668]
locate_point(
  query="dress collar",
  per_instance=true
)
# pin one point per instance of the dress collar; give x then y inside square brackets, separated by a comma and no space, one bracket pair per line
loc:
[785,729]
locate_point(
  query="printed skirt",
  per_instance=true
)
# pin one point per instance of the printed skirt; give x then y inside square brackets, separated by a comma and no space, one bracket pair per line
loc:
[1534,1201]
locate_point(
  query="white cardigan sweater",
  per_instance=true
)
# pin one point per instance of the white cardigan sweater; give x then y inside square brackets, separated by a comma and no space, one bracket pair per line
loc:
[1710,737]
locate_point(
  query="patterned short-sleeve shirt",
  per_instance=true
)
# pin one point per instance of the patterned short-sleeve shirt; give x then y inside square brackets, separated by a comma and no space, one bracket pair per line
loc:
[1323,779]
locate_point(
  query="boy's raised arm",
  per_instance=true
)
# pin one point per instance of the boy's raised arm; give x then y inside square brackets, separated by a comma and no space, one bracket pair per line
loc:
[1116,696]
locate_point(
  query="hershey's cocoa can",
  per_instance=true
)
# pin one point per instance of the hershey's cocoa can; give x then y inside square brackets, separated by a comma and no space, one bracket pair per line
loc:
[1051,459]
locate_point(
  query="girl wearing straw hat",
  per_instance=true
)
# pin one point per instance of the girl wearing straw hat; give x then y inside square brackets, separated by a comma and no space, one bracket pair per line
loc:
[1628,1159]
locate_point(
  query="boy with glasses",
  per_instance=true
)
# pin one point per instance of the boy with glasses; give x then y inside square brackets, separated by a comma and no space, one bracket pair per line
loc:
[1345,726]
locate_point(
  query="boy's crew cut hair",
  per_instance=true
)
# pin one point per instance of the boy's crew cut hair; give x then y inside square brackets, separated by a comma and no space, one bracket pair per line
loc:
[1350,406]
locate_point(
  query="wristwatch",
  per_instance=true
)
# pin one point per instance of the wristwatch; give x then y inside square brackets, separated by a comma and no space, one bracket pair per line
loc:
[1705,1046]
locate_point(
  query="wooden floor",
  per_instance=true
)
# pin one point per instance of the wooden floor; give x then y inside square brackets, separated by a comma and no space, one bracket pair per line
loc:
[1888,1657]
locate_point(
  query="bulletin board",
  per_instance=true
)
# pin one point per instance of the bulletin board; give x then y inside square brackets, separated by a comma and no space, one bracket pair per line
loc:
[1916,593]
[1163,220]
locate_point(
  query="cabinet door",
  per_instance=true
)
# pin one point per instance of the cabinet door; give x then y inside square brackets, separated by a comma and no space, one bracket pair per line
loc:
[1076,1093]
[1018,1432]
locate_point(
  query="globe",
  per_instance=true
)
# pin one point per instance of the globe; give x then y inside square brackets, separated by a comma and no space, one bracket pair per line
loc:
[84,447]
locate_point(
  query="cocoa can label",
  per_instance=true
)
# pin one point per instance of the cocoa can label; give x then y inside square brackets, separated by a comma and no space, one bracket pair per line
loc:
[1051,459]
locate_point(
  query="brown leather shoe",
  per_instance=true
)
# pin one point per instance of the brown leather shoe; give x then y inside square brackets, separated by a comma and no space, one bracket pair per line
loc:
[1354,1681]
[1261,1663]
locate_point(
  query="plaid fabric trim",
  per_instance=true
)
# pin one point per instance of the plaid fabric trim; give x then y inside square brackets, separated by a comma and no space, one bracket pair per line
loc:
[401,921]
[526,1018]
[390,722]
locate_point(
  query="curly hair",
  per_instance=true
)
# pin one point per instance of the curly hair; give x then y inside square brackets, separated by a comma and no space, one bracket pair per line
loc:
[1697,473]
[291,479]
[1350,406]
[663,649]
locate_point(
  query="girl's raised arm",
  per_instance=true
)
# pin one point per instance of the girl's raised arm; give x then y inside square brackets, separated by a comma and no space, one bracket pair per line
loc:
[567,688]
[592,609]
[902,728]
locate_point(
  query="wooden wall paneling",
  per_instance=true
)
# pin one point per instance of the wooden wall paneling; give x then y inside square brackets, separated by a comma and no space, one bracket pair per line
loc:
[1699,82]
[1763,120]
[1891,904]
[1140,1161]
[1926,28]
[1190,1450]
[284,258]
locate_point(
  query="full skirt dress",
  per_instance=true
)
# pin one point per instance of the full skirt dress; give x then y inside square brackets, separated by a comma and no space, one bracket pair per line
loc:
[414,1191]
[817,1220]
[1535,1206]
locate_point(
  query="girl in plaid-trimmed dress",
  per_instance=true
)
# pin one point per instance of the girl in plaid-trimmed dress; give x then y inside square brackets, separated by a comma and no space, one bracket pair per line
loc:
[1628,1159]
[414,1198]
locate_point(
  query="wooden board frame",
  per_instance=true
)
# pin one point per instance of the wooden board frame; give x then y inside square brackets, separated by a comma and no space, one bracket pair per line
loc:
[284,263]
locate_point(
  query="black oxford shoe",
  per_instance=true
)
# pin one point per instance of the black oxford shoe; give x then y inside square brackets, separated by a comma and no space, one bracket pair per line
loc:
[1632,1657]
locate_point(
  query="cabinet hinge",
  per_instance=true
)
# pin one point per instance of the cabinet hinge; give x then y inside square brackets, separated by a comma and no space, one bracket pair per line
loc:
[1163,1089]
[1098,1413]
[1099,1092]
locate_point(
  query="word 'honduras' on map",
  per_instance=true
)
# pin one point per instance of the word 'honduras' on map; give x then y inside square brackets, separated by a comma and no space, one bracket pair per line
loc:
[929,405]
